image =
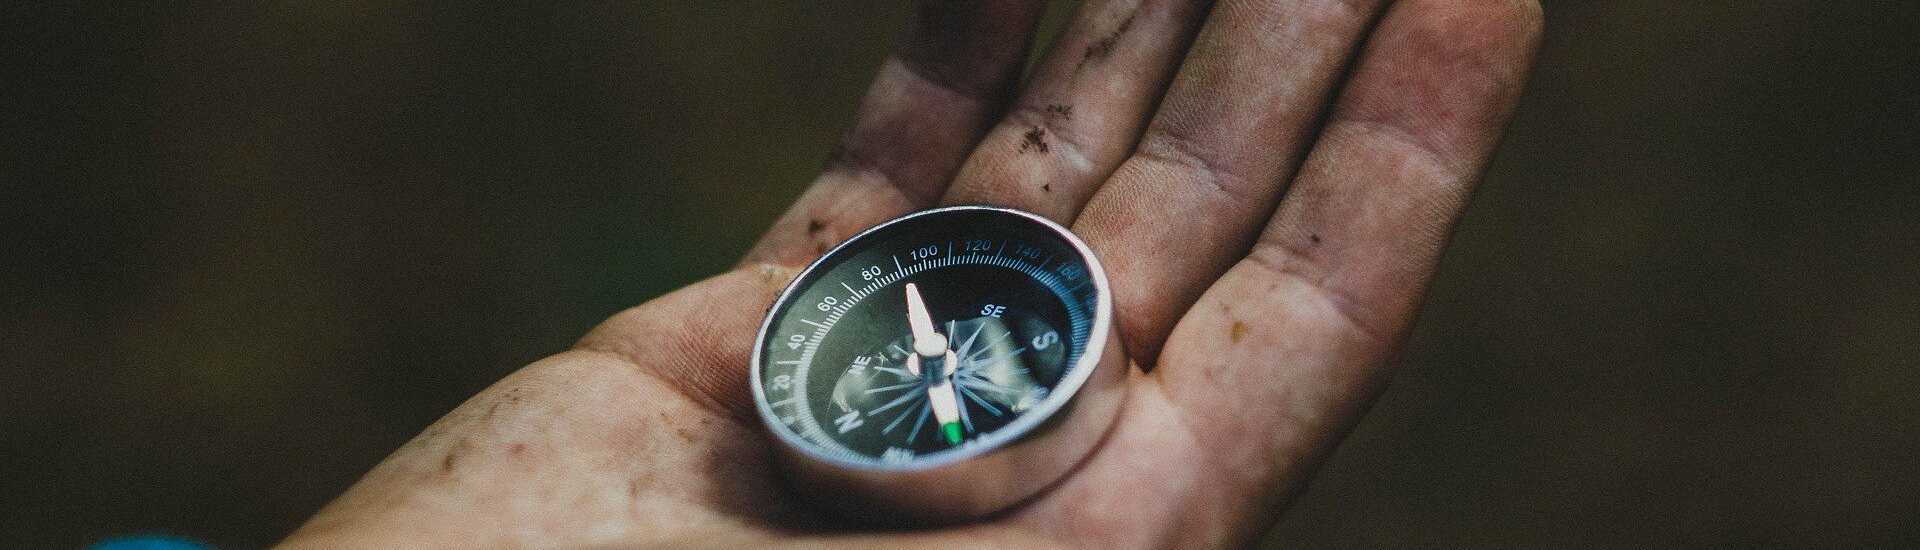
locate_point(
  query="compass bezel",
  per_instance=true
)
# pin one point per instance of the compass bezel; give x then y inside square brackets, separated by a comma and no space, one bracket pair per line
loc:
[997,468]
[1061,392]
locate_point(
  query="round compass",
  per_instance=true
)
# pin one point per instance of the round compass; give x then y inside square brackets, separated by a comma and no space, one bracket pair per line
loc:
[940,366]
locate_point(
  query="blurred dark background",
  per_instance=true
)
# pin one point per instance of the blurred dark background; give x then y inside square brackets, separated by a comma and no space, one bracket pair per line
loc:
[250,248]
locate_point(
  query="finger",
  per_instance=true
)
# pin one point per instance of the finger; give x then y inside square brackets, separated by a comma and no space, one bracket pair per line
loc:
[1079,114]
[947,80]
[1210,166]
[1280,358]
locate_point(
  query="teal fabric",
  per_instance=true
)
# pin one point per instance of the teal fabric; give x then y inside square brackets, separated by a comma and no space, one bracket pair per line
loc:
[148,542]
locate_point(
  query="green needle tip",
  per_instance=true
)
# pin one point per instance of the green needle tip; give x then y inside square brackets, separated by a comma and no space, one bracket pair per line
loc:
[952,429]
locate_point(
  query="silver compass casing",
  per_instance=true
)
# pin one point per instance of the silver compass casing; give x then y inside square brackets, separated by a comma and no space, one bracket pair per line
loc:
[1024,458]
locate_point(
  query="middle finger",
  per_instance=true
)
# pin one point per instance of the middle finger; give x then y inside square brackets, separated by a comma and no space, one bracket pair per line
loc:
[1214,161]
[1079,115]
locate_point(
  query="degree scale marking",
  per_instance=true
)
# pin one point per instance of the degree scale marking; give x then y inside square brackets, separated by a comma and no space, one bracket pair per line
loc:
[1046,278]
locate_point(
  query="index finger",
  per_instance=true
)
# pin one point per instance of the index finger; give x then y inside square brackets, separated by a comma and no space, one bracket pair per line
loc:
[951,74]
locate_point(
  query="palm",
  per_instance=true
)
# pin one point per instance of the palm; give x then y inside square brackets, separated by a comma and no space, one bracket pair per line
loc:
[1268,227]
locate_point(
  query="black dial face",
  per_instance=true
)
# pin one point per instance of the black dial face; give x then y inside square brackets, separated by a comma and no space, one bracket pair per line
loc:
[931,337]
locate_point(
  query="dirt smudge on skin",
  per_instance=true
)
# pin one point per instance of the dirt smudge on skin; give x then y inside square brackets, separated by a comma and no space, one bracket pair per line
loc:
[679,426]
[1103,47]
[1035,140]
[452,460]
[512,396]
[1237,332]
[1315,237]
[770,275]
[1046,187]
[1058,111]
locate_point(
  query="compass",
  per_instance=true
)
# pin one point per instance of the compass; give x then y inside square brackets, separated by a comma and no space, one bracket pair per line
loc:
[940,366]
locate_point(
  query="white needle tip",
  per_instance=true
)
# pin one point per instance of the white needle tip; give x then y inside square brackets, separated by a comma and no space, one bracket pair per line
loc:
[931,345]
[926,341]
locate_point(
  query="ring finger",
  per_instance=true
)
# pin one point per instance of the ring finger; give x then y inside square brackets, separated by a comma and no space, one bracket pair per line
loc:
[1213,163]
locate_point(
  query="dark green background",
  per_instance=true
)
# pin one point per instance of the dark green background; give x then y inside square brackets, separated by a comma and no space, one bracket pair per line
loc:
[251,248]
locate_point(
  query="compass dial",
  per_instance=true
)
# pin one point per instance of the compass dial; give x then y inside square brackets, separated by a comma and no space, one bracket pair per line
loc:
[937,337]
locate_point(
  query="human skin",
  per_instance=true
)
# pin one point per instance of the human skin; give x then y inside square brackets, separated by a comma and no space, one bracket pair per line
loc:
[1269,184]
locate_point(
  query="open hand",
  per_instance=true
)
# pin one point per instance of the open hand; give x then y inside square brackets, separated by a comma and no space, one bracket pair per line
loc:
[1269,183]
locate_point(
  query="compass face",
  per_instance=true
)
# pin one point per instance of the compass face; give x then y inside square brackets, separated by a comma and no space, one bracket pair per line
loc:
[930,339]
